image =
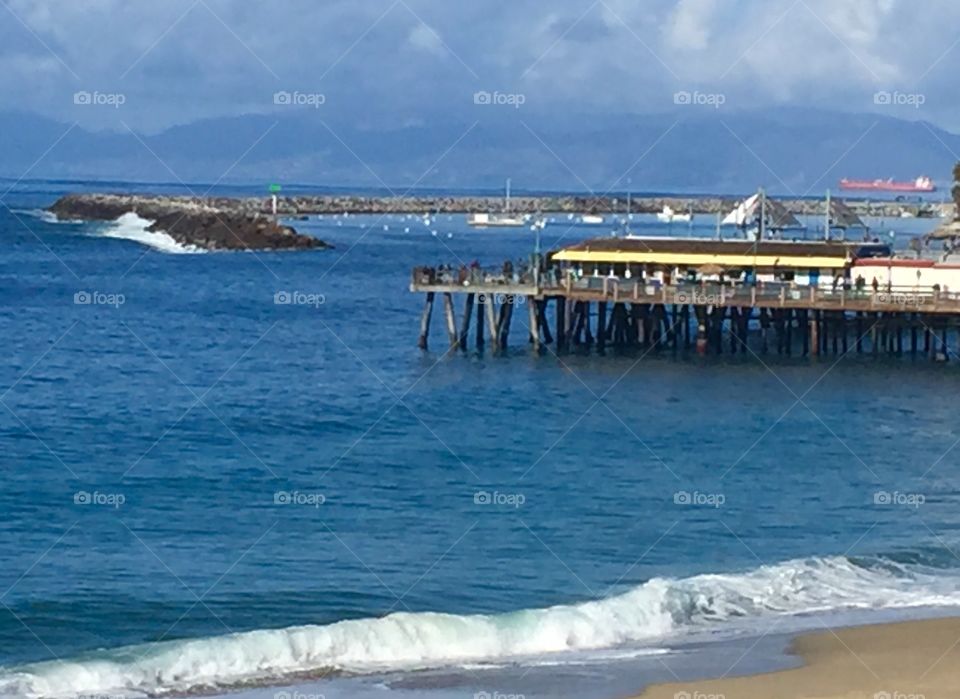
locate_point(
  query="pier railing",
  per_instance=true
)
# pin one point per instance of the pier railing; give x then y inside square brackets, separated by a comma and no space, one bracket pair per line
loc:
[759,295]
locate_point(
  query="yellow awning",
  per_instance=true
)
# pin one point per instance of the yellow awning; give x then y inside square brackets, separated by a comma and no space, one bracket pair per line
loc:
[672,259]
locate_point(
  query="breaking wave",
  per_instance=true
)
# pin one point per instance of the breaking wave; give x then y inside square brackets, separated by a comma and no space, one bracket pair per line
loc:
[132,227]
[660,608]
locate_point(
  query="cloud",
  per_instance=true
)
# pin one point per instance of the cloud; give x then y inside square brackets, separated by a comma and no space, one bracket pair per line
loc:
[426,39]
[690,25]
[179,60]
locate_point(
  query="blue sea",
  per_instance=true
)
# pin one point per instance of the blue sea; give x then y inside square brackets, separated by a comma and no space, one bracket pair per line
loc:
[209,492]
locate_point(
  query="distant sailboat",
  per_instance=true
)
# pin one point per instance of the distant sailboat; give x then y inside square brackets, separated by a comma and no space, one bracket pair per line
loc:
[498,220]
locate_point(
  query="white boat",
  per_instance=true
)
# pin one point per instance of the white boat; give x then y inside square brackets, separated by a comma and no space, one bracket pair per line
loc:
[504,219]
[591,220]
[668,215]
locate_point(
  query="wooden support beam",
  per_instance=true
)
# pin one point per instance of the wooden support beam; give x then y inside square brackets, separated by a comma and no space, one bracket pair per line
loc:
[481,302]
[561,321]
[490,304]
[465,327]
[685,316]
[576,332]
[601,325]
[587,332]
[425,321]
[534,322]
[788,333]
[506,316]
[544,325]
[451,320]
[814,334]
[836,326]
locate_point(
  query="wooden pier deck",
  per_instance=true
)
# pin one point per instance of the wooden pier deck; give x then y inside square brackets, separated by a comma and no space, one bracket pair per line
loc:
[609,311]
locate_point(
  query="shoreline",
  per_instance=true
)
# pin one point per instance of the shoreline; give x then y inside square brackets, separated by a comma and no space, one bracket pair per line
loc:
[912,659]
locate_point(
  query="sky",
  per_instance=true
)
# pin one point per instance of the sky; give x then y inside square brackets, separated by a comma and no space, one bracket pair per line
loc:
[149,65]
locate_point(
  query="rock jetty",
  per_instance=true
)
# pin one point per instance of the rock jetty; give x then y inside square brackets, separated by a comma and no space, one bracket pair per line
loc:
[206,223]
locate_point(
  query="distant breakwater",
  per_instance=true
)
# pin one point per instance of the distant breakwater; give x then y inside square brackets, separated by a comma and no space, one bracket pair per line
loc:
[575,204]
[257,210]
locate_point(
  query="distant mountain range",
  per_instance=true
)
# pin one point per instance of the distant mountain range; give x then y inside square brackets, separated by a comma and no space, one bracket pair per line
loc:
[788,150]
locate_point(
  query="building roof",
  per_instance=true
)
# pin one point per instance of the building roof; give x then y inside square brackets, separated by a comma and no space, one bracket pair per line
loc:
[842,216]
[692,252]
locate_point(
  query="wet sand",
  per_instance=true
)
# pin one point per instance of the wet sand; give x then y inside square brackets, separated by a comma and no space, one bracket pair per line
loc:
[908,660]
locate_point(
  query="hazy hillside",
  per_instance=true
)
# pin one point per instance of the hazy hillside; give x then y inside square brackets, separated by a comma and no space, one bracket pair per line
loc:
[788,150]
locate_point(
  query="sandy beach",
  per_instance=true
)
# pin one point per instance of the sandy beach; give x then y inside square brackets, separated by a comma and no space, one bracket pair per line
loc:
[909,660]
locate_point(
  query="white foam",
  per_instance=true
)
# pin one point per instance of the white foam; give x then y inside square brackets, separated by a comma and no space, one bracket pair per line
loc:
[660,608]
[43,215]
[131,227]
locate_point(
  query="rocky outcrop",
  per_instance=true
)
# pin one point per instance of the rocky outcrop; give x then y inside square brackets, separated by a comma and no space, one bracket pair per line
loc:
[210,224]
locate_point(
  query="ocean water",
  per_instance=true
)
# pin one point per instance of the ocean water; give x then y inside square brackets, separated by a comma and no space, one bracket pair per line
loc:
[205,489]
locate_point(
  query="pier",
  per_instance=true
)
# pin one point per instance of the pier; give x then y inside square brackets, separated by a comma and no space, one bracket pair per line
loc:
[707,296]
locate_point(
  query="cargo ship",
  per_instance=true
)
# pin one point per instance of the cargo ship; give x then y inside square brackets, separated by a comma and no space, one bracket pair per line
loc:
[921,184]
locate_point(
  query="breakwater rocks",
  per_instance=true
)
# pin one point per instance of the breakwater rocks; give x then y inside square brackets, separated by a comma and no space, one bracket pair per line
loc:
[206,223]
[250,218]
